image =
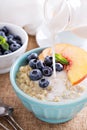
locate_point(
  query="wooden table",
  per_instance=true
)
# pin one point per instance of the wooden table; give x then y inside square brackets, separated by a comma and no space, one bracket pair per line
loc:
[25,118]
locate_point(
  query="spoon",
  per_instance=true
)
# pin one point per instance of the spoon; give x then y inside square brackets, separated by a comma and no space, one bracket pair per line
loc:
[6,112]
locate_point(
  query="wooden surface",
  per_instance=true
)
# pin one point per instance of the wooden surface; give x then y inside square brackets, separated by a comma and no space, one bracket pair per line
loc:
[25,118]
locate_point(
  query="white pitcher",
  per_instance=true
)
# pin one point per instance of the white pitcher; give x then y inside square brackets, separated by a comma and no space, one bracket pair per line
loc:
[61,15]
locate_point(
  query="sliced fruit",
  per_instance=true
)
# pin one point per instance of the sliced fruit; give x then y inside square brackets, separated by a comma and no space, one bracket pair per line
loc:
[77,57]
[48,51]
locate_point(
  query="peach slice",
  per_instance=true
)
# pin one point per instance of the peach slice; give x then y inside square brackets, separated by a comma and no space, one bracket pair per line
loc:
[77,57]
[48,51]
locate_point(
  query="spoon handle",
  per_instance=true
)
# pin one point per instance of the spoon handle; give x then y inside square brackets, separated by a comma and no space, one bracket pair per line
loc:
[5,128]
[10,122]
[15,123]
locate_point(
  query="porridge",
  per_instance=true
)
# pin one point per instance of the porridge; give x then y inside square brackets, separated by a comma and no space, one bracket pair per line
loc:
[37,80]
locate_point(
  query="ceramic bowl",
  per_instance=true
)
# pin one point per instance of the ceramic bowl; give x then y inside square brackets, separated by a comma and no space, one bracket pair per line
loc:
[51,112]
[6,61]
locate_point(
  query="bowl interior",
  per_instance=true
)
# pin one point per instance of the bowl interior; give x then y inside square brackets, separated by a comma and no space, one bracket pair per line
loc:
[16,30]
[22,61]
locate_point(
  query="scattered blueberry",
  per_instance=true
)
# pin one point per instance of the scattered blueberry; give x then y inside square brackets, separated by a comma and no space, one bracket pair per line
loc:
[47,71]
[43,83]
[35,74]
[7,52]
[59,67]
[48,60]
[32,56]
[14,47]
[32,63]
[39,65]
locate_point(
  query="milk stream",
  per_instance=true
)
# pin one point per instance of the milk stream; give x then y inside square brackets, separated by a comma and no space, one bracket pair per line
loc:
[54,68]
[52,43]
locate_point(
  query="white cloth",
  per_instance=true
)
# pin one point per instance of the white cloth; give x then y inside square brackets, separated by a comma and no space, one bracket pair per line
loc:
[22,12]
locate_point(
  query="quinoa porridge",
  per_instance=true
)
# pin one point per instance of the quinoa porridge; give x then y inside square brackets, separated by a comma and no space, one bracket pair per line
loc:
[58,89]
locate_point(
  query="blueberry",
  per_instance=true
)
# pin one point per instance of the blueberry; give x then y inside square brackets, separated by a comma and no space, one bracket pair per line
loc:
[47,71]
[59,67]
[17,38]
[43,83]
[7,52]
[32,56]
[48,60]
[5,30]
[2,34]
[11,41]
[10,36]
[35,74]
[1,49]
[39,65]
[0,53]
[32,63]
[14,46]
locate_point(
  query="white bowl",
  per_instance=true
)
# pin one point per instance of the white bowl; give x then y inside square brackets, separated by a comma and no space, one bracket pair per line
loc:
[6,61]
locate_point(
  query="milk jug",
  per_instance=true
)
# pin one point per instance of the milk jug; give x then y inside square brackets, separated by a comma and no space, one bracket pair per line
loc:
[61,15]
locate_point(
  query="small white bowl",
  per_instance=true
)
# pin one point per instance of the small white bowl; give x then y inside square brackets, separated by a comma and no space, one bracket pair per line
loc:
[6,61]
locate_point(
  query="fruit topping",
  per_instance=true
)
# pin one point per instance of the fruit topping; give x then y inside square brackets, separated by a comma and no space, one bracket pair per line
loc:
[39,65]
[32,56]
[47,71]
[48,60]
[32,63]
[43,83]
[59,67]
[35,74]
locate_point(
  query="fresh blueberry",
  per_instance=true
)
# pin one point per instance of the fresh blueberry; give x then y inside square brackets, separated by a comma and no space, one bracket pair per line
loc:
[14,46]
[2,34]
[7,52]
[32,63]
[0,53]
[43,83]
[39,65]
[17,38]
[48,60]
[5,30]
[35,74]
[10,36]
[47,71]
[59,67]
[1,49]
[32,56]
[11,41]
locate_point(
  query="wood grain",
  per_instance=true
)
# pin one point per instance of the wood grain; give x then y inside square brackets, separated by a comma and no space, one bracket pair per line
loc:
[25,118]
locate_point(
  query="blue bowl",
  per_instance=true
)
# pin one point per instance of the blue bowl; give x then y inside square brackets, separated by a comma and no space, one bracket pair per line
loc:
[51,112]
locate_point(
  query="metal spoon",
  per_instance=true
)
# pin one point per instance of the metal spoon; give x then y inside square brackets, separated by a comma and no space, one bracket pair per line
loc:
[6,113]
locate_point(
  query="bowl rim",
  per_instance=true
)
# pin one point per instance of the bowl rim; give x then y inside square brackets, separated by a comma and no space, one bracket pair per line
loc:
[48,103]
[23,31]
